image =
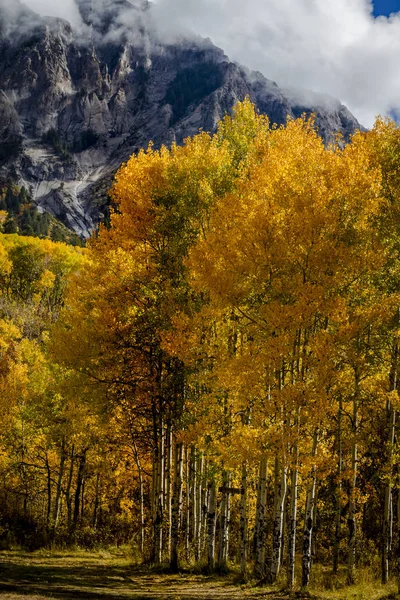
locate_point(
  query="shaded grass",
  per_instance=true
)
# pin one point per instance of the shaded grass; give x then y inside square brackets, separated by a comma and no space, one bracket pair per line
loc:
[327,586]
[106,575]
[112,575]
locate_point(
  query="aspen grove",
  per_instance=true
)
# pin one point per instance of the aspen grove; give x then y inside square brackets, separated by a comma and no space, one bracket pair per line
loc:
[219,369]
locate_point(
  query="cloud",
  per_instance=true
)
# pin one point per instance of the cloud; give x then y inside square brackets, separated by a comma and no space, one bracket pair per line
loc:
[65,9]
[330,46]
[334,47]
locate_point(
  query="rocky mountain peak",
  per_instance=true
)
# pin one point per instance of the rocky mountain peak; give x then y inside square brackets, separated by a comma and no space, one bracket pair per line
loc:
[76,103]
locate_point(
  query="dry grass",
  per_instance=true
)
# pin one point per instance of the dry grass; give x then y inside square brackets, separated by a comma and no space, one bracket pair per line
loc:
[19,597]
[107,576]
[112,575]
[327,586]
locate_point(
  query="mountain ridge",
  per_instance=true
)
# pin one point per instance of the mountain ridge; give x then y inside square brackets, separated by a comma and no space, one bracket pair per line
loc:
[75,103]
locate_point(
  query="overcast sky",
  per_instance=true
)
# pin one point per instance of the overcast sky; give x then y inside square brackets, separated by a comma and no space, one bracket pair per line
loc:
[331,46]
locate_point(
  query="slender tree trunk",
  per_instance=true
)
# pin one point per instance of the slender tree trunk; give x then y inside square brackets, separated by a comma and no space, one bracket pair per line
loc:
[388,511]
[56,513]
[68,497]
[222,526]
[391,522]
[141,492]
[277,534]
[48,511]
[154,499]
[338,492]
[176,506]
[211,525]
[83,498]
[228,519]
[160,499]
[206,498]
[398,539]
[187,529]
[154,493]
[154,479]
[168,481]
[79,483]
[96,501]
[314,548]
[292,525]
[309,519]
[243,522]
[351,522]
[387,517]
[224,523]
[261,521]
[23,470]
[199,532]
[194,495]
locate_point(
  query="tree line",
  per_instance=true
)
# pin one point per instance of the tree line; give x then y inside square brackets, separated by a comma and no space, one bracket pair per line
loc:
[220,370]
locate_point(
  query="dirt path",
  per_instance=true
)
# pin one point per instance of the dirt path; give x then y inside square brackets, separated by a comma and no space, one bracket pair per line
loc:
[106,576]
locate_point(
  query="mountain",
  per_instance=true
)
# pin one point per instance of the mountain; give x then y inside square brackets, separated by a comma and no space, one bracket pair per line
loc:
[77,101]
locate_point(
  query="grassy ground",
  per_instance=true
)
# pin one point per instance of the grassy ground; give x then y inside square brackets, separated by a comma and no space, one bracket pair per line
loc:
[110,575]
[326,586]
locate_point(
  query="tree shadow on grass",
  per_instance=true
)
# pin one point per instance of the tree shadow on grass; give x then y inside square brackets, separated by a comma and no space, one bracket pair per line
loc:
[55,578]
[63,581]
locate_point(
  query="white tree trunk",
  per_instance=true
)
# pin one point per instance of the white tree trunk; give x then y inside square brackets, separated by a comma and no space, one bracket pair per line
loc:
[204,512]
[398,539]
[223,525]
[292,527]
[388,511]
[168,485]
[176,506]
[211,525]
[338,493]
[243,522]
[199,532]
[187,530]
[261,520]
[277,534]
[160,498]
[56,514]
[352,525]
[309,518]
[194,495]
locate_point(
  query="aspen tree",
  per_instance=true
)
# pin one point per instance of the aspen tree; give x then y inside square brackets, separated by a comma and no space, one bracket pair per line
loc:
[277,534]
[241,268]
[338,490]
[392,416]
[211,525]
[351,521]
[261,520]
[292,527]
[176,505]
[63,457]
[199,503]
[194,478]
[168,484]
[243,521]
[224,523]
[309,517]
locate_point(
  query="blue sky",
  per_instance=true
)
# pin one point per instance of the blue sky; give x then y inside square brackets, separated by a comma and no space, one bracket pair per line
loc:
[386,7]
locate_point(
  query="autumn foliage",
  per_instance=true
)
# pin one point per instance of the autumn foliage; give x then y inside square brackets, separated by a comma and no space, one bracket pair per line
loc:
[219,380]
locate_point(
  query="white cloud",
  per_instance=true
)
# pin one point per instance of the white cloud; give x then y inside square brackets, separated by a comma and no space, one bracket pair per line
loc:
[66,9]
[329,46]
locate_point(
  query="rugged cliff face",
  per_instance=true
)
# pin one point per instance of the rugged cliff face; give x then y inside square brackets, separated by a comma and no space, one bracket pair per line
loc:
[76,103]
